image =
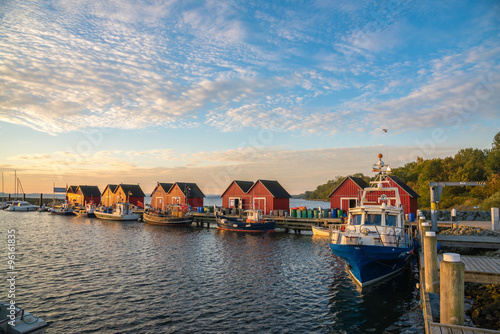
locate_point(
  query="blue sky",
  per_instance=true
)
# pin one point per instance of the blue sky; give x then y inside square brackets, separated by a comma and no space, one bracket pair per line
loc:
[97,92]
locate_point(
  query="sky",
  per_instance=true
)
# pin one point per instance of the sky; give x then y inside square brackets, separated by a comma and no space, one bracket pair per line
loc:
[97,92]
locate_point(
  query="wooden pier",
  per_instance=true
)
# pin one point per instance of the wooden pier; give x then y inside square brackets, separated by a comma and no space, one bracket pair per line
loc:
[287,223]
[480,269]
[469,241]
[477,269]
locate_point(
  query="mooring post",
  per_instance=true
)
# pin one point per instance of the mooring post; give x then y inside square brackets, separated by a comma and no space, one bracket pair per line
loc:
[431,263]
[452,290]
[41,200]
[495,226]
[24,197]
[9,198]
[425,227]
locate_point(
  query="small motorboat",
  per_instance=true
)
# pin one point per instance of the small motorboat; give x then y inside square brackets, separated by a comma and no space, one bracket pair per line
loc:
[87,212]
[174,215]
[43,208]
[64,210]
[320,231]
[21,206]
[375,242]
[123,211]
[16,320]
[251,221]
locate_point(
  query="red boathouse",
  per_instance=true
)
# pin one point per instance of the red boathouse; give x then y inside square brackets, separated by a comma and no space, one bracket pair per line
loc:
[269,196]
[348,194]
[235,196]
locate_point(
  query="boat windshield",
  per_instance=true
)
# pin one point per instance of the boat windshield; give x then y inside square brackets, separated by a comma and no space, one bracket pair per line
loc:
[356,219]
[373,219]
[391,220]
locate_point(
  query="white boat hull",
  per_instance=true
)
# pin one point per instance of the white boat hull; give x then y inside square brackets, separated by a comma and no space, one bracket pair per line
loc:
[114,216]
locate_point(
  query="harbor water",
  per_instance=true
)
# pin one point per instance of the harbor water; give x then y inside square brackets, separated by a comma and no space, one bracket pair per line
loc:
[86,275]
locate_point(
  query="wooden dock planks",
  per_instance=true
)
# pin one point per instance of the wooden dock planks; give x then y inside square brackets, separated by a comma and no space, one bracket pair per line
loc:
[469,241]
[479,269]
[436,328]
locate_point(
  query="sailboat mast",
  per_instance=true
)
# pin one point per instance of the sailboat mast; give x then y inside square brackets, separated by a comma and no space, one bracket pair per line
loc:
[15,183]
[3,190]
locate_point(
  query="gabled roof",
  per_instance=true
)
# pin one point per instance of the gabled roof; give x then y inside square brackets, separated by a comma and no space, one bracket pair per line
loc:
[243,185]
[89,191]
[165,186]
[274,187]
[72,189]
[190,190]
[404,186]
[133,190]
[112,188]
[357,180]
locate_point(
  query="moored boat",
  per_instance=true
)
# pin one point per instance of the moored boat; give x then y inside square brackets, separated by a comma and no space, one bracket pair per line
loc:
[21,206]
[16,320]
[87,212]
[64,210]
[320,231]
[175,215]
[251,222]
[375,242]
[123,211]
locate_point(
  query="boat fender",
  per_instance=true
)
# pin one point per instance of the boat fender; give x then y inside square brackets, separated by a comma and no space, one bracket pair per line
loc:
[248,225]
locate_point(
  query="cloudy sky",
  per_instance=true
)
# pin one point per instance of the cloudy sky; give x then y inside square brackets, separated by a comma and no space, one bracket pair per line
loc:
[97,92]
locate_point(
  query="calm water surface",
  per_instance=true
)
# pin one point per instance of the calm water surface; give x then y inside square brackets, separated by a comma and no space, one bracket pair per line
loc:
[93,276]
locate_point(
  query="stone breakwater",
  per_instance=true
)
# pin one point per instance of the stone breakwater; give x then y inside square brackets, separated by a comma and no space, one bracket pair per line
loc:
[445,215]
[469,230]
[485,313]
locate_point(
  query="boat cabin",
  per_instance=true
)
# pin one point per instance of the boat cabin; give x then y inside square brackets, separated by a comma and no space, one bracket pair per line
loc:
[253,216]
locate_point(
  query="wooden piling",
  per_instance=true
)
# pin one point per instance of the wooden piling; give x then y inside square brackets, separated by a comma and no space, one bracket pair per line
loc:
[424,227]
[452,290]
[9,198]
[495,226]
[24,197]
[41,200]
[431,262]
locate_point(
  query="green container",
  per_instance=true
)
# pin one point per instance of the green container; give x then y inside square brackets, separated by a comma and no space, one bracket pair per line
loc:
[340,213]
[294,213]
[316,214]
[310,213]
[325,213]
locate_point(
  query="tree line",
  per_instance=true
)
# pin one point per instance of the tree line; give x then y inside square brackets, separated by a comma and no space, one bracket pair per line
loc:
[468,164]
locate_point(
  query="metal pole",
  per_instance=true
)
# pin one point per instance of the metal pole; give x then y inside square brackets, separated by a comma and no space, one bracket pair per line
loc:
[433,209]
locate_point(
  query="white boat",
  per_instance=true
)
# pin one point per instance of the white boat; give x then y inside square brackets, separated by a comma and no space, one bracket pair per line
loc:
[375,242]
[16,320]
[321,231]
[123,211]
[22,206]
[64,210]
[87,212]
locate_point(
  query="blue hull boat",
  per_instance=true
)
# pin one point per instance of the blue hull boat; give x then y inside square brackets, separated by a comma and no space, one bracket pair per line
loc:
[242,226]
[369,264]
[375,242]
[251,223]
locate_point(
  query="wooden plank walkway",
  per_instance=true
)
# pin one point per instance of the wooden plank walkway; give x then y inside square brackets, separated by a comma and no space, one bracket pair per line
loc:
[436,328]
[479,269]
[469,241]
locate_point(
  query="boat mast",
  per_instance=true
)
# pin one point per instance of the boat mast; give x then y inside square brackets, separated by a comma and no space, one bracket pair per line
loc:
[15,183]
[3,192]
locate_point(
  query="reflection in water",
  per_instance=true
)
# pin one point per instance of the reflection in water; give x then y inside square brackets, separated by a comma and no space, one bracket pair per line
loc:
[91,276]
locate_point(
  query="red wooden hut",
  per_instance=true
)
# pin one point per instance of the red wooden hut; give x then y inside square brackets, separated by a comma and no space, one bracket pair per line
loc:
[131,193]
[185,193]
[235,196]
[349,191]
[159,196]
[269,196]
[88,194]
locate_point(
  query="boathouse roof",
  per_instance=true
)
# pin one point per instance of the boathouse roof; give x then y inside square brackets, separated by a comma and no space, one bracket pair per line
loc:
[243,185]
[360,182]
[404,186]
[111,187]
[72,189]
[133,190]
[274,187]
[90,191]
[165,186]
[190,189]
